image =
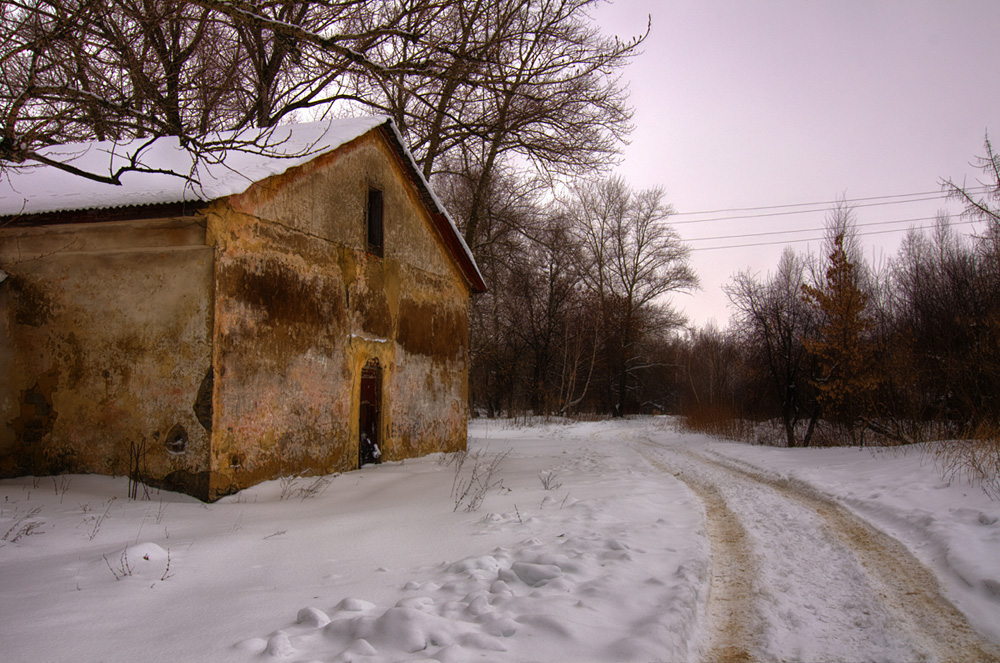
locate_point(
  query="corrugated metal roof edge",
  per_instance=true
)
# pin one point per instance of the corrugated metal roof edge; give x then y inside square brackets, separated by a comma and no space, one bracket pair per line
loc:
[102,214]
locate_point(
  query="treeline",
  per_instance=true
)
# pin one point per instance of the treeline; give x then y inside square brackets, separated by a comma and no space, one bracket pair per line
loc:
[837,351]
[575,320]
[515,111]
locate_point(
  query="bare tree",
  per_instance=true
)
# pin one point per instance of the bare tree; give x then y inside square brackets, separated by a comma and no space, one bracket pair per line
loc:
[772,321]
[543,296]
[497,352]
[987,206]
[526,80]
[947,315]
[713,381]
[631,258]
[125,69]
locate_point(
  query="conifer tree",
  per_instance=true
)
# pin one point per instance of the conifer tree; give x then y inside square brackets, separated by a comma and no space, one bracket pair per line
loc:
[845,381]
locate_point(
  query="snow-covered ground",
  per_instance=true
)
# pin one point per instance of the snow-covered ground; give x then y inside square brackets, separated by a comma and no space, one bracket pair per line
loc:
[591,549]
[952,527]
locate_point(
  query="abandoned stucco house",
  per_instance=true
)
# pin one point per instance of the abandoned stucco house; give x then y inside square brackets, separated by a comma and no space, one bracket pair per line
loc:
[265,321]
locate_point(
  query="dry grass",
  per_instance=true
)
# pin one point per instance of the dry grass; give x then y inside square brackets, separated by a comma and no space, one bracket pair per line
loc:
[976,459]
[470,490]
[719,421]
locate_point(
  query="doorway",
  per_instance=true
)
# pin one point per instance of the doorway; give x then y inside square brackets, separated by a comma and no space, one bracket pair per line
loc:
[369,444]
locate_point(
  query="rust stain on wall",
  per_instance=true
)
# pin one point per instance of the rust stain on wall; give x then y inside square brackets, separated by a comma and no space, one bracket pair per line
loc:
[101,348]
[427,328]
[31,305]
[372,301]
[267,295]
[233,346]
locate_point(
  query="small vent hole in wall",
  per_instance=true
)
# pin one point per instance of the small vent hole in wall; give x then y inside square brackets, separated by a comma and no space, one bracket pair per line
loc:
[177,439]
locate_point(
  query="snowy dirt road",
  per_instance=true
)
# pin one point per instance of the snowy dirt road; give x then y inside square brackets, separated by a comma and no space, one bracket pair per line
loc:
[598,541]
[796,576]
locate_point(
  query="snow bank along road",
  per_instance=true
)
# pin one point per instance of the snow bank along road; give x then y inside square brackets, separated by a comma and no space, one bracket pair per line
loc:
[796,576]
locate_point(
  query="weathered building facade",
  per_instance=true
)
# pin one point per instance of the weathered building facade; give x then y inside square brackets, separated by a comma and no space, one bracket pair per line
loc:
[304,321]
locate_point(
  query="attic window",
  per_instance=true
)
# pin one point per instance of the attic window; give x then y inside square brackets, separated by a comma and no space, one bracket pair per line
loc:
[374,221]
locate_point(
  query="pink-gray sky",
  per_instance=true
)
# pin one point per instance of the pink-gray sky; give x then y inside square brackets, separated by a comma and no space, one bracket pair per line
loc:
[744,104]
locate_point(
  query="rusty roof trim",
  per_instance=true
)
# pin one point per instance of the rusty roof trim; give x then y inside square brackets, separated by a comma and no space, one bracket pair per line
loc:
[445,225]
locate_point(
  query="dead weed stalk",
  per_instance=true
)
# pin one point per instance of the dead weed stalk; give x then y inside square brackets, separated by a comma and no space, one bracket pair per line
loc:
[470,490]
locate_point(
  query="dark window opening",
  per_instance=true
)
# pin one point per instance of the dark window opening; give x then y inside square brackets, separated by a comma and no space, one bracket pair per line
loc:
[374,219]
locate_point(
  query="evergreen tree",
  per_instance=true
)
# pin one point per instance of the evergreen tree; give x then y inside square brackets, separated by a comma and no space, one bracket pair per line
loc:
[845,379]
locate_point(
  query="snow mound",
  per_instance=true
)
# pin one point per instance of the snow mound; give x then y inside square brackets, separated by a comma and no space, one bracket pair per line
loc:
[146,552]
[312,617]
[354,605]
[279,645]
[534,575]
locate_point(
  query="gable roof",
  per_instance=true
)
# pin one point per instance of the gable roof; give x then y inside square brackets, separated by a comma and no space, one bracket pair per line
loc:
[41,189]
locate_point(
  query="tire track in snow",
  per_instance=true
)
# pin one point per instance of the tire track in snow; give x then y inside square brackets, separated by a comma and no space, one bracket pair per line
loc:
[904,587]
[733,569]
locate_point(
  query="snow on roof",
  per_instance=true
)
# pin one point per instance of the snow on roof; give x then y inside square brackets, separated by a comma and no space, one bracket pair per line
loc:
[37,189]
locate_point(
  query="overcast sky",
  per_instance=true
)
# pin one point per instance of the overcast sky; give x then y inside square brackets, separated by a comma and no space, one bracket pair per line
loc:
[773,102]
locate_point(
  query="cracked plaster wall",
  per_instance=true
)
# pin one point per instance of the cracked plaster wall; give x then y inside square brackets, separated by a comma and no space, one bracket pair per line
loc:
[233,344]
[302,306]
[104,341]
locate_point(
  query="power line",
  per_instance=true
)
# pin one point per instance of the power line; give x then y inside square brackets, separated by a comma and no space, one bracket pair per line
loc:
[830,202]
[819,206]
[819,239]
[809,230]
[805,211]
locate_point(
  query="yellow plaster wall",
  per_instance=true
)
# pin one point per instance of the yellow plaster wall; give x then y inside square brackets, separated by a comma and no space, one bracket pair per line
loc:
[105,342]
[109,333]
[302,306]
